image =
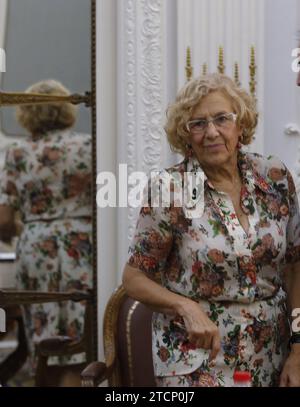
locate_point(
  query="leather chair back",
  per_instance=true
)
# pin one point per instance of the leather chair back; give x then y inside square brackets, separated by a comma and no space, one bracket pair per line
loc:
[134,344]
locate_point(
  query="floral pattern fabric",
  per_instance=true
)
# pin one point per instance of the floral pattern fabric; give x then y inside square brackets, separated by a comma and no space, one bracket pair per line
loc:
[234,275]
[253,338]
[49,178]
[49,181]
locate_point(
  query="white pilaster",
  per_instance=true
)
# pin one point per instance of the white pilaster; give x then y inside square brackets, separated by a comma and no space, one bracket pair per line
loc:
[142,98]
[136,79]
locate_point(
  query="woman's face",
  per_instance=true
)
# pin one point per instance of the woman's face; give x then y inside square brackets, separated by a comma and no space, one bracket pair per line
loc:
[216,145]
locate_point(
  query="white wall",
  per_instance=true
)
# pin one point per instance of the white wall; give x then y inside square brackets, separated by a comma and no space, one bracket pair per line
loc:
[236,26]
[282,96]
[106,151]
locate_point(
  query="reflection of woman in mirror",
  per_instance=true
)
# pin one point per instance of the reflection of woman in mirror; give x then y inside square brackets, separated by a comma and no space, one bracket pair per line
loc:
[47,177]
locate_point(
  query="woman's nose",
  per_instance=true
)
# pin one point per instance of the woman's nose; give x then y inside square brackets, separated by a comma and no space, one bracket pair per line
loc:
[211,129]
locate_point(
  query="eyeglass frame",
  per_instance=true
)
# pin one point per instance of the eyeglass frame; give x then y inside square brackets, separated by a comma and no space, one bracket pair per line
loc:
[233,115]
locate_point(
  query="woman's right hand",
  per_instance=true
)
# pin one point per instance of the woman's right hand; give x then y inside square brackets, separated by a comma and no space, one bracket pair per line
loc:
[201,330]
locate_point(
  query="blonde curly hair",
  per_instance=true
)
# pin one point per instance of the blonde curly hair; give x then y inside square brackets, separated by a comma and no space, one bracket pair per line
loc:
[180,112]
[40,119]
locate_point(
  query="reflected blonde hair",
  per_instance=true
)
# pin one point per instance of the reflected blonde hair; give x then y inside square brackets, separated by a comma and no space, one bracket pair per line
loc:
[189,97]
[40,119]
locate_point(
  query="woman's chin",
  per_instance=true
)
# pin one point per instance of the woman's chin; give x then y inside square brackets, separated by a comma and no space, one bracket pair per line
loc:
[217,158]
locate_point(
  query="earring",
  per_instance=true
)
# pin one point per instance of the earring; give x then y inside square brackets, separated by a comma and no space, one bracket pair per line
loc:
[189,151]
[239,144]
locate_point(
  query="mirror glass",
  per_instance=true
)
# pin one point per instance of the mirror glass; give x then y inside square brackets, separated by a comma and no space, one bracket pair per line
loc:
[48,39]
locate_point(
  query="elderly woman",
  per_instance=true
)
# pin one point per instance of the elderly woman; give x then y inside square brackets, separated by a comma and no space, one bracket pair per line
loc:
[222,304]
[47,178]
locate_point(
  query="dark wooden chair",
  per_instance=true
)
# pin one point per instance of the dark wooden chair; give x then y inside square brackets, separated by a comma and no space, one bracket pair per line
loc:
[127,345]
[14,361]
[46,375]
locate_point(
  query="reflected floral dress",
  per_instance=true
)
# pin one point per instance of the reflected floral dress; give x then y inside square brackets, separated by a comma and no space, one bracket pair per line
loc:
[48,180]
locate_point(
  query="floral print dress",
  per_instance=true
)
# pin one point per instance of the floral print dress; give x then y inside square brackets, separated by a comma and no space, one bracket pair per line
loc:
[236,277]
[49,181]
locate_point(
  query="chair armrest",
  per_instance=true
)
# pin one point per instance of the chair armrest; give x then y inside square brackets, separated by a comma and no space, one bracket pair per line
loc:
[60,345]
[94,374]
[16,297]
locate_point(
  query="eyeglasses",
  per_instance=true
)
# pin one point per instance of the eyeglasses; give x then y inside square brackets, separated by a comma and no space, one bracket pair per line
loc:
[222,121]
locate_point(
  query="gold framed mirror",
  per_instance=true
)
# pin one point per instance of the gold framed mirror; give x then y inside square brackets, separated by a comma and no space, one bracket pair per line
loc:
[69,56]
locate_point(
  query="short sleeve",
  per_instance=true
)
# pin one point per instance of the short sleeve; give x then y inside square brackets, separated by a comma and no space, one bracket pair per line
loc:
[8,180]
[293,226]
[153,238]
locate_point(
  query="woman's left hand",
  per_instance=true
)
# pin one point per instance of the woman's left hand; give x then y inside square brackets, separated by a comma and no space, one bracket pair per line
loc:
[290,375]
